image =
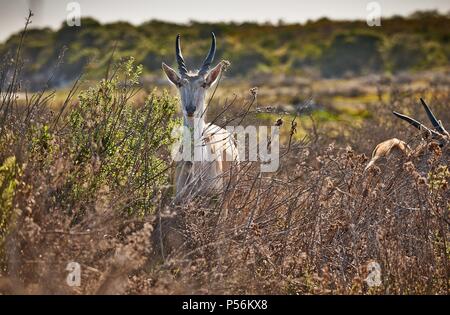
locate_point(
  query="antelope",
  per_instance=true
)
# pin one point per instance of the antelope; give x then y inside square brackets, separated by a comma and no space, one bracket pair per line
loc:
[214,148]
[438,134]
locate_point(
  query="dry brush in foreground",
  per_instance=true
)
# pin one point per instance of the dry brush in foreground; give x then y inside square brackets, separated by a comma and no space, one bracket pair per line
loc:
[89,184]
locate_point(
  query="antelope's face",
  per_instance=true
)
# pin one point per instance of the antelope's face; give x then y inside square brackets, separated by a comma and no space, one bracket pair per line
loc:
[192,87]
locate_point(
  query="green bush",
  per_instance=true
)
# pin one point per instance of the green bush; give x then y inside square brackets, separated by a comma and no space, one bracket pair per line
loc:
[353,53]
[117,145]
[412,52]
[8,172]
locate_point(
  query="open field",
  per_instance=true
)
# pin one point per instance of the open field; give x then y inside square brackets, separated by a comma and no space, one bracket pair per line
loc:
[86,177]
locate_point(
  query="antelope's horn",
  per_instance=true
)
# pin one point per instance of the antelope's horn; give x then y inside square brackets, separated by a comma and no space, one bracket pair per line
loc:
[209,59]
[410,120]
[436,123]
[417,124]
[181,64]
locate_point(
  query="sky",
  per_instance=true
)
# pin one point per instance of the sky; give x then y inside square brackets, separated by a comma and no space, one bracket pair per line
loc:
[52,13]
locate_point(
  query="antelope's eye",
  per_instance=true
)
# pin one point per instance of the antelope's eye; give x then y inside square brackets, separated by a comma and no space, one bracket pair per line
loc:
[204,85]
[182,82]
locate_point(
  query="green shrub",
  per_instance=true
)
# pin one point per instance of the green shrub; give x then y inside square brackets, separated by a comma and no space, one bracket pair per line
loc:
[117,145]
[8,181]
[353,53]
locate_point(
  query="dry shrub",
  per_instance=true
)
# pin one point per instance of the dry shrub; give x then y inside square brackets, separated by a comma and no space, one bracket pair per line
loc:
[315,226]
[312,227]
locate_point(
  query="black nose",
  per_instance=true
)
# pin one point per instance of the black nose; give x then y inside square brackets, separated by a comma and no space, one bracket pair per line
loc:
[190,110]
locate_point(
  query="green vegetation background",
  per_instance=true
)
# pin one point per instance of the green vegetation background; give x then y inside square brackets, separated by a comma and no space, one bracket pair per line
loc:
[321,48]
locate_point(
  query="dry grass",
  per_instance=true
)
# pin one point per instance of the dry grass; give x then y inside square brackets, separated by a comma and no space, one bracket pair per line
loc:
[311,228]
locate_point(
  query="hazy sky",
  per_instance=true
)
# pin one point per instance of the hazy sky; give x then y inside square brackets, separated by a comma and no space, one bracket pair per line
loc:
[53,12]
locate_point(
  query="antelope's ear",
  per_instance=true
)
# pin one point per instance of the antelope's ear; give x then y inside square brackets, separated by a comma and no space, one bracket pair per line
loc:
[171,74]
[213,75]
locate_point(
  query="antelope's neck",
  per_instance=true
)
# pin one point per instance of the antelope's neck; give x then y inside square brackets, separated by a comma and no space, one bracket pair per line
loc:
[196,128]
[196,125]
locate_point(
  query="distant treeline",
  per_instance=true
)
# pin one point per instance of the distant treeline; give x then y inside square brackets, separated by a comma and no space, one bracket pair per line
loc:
[322,48]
